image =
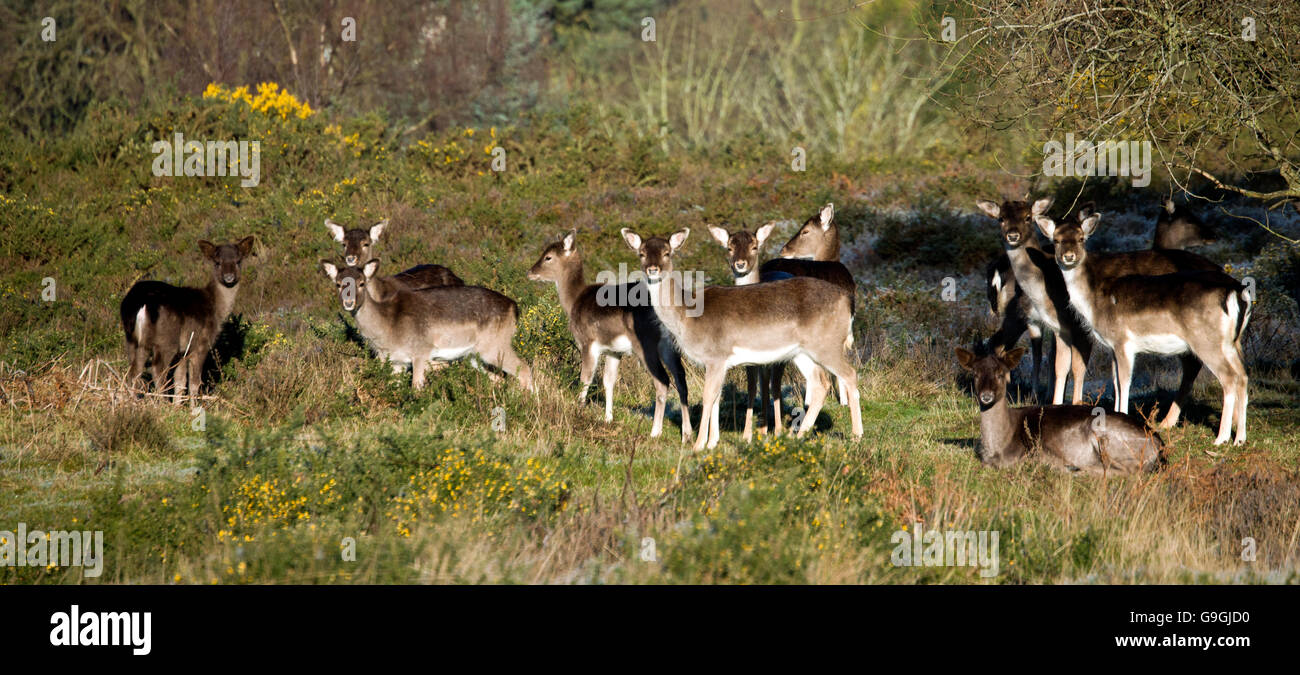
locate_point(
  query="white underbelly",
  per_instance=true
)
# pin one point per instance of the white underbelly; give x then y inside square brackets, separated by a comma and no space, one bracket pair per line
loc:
[1167,343]
[621,346]
[449,354]
[742,356]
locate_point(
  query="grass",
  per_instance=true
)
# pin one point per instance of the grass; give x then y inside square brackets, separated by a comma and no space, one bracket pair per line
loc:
[307,446]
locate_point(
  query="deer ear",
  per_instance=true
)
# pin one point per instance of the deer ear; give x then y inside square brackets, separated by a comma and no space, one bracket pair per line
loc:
[207,248]
[371,267]
[1045,225]
[246,246]
[1041,206]
[676,239]
[965,357]
[569,240]
[719,234]
[335,229]
[633,239]
[1012,358]
[764,232]
[827,214]
[1086,210]
[1169,206]
[1090,224]
[331,270]
[990,208]
[378,229]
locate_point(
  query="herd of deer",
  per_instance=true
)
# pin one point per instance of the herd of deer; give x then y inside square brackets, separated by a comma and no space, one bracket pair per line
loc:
[798,308]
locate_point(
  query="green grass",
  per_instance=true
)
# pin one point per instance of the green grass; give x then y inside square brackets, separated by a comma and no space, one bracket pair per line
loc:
[309,441]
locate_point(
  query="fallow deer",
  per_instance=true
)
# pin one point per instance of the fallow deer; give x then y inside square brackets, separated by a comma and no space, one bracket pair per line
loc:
[1199,315]
[613,331]
[813,251]
[801,319]
[743,248]
[358,244]
[444,323]
[1068,437]
[1040,280]
[171,329]
[1178,227]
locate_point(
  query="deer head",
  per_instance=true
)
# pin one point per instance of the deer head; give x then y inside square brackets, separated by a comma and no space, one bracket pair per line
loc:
[357,242]
[992,373]
[818,239]
[742,247]
[226,259]
[1015,218]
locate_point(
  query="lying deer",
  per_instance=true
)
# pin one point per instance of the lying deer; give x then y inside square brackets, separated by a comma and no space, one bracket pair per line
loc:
[801,319]
[1068,437]
[1038,278]
[444,323]
[358,246]
[612,331]
[1199,315]
[1178,227]
[174,327]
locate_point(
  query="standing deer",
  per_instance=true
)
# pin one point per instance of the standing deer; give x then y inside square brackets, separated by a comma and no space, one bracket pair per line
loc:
[801,319]
[813,251]
[1200,315]
[613,331]
[172,328]
[444,323]
[742,258]
[1067,437]
[358,246]
[1040,280]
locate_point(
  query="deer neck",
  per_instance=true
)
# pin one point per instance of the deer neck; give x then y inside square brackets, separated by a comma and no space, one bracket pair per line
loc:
[830,248]
[750,278]
[663,299]
[999,428]
[570,286]
[223,298]
[1078,282]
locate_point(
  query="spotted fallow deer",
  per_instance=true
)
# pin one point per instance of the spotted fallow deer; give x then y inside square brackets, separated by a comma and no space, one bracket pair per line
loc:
[1199,315]
[602,328]
[1067,437]
[171,329]
[358,245]
[801,319]
[444,323]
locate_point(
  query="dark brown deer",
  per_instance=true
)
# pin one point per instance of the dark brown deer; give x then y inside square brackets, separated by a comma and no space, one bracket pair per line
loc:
[743,248]
[171,329]
[1199,315]
[601,328]
[1069,437]
[1178,227]
[801,319]
[358,246]
[444,323]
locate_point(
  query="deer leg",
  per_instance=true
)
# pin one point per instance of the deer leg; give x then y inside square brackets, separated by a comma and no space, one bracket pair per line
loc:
[765,397]
[509,362]
[1242,382]
[816,392]
[1078,369]
[1124,357]
[611,377]
[751,383]
[659,376]
[714,374]
[418,367]
[672,361]
[776,373]
[194,376]
[1060,369]
[587,371]
[1191,368]
[847,376]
